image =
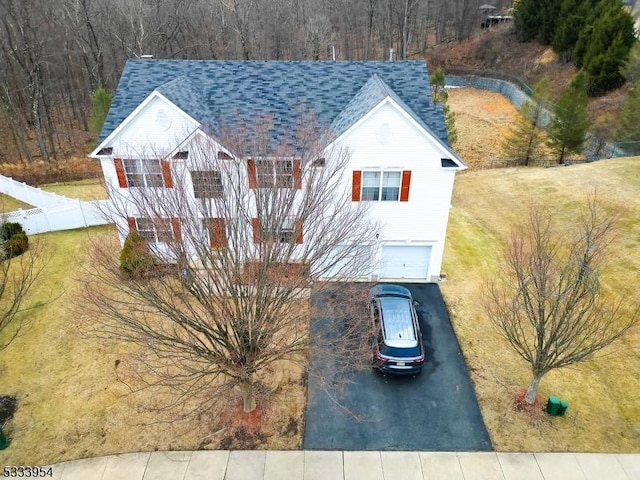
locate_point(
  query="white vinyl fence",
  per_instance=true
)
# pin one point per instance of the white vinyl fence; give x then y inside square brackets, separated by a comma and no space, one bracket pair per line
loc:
[54,212]
[76,214]
[32,195]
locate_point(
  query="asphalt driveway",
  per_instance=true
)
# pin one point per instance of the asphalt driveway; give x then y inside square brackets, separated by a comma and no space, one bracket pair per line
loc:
[436,410]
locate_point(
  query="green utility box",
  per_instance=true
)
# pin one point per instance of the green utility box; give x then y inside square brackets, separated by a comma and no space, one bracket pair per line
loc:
[553,406]
[4,443]
[563,407]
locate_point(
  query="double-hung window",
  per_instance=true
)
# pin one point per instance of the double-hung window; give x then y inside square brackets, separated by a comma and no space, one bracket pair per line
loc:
[274,173]
[207,184]
[381,186]
[287,232]
[143,172]
[156,230]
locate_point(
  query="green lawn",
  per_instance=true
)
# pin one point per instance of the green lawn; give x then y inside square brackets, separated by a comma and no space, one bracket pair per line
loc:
[604,408]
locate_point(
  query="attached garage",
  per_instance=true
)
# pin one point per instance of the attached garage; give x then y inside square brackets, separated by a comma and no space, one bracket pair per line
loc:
[409,262]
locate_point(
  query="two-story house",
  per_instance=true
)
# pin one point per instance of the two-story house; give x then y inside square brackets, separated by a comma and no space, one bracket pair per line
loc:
[381,113]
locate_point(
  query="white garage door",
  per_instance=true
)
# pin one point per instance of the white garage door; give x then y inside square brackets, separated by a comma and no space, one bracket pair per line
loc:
[411,262]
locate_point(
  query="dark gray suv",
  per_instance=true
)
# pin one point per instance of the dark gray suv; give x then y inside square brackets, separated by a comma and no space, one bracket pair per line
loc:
[397,342]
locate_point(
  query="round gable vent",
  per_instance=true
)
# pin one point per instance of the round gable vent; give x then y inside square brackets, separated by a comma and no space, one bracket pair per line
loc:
[384,133]
[163,120]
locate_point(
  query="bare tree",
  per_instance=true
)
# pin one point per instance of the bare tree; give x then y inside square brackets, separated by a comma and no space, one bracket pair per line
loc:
[549,302]
[236,239]
[17,276]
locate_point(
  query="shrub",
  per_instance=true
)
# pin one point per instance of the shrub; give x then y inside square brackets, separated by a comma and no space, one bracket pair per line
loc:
[40,173]
[9,229]
[135,259]
[16,245]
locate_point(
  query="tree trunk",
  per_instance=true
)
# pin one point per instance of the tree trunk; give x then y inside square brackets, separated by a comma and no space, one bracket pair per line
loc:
[532,391]
[405,34]
[248,395]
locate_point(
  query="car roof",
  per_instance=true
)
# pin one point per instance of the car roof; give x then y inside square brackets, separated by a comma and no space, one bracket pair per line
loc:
[388,289]
[397,322]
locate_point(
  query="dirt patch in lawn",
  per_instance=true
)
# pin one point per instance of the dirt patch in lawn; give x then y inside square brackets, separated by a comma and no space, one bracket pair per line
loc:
[8,405]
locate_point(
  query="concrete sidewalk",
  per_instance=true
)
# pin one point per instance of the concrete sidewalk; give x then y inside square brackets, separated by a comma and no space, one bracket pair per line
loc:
[337,465]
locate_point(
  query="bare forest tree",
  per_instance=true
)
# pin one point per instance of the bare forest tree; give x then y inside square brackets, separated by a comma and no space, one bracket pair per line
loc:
[220,288]
[17,277]
[549,302]
[56,53]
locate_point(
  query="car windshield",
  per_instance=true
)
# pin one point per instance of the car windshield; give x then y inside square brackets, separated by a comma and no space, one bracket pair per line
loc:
[400,352]
[399,331]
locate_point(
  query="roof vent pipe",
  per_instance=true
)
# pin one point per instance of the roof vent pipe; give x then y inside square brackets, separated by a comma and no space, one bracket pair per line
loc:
[391,54]
[333,53]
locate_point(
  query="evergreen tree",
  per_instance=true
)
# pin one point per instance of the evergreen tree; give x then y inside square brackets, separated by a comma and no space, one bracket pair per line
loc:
[441,96]
[525,140]
[536,19]
[100,103]
[573,17]
[631,70]
[437,80]
[629,129]
[570,122]
[606,46]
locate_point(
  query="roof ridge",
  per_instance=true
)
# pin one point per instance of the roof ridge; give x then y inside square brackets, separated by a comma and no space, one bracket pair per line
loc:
[220,93]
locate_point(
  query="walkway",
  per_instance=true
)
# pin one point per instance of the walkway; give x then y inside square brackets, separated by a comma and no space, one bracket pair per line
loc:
[330,465]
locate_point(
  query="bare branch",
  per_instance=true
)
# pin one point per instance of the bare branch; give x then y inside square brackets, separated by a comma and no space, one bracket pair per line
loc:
[548,301]
[237,239]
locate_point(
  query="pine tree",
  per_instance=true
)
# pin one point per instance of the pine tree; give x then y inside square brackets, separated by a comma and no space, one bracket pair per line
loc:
[631,70]
[629,129]
[570,122]
[100,103]
[441,96]
[573,16]
[536,19]
[525,140]
[606,44]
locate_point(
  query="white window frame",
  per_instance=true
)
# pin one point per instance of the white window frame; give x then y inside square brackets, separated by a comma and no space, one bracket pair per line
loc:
[158,230]
[274,172]
[288,232]
[143,172]
[380,193]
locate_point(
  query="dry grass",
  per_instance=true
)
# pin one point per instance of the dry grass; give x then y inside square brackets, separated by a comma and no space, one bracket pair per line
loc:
[482,119]
[89,189]
[604,407]
[71,405]
[10,204]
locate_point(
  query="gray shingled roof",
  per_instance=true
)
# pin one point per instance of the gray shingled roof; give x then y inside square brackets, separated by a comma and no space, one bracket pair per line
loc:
[224,93]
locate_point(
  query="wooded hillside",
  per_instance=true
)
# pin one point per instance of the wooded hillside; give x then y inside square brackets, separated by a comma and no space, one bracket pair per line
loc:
[55,53]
